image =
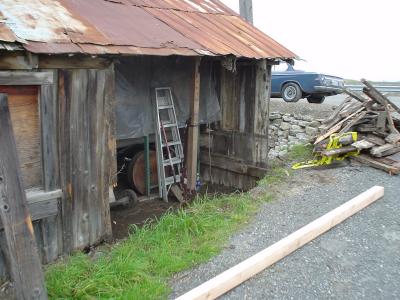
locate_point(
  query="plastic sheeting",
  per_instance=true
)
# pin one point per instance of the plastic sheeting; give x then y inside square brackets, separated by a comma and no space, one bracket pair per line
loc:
[136,79]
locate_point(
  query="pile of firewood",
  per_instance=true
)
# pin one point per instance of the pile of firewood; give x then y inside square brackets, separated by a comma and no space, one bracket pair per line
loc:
[376,119]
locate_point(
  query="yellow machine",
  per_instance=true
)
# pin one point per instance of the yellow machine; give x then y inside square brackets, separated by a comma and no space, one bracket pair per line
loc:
[336,141]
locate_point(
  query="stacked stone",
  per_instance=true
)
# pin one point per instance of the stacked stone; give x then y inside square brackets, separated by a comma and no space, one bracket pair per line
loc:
[287,130]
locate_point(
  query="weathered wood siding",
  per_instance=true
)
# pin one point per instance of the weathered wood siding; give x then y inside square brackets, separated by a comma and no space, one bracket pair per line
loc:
[71,207]
[243,133]
[87,154]
[24,109]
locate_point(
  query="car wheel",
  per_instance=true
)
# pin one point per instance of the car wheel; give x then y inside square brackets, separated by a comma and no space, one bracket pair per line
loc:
[316,99]
[291,92]
[129,197]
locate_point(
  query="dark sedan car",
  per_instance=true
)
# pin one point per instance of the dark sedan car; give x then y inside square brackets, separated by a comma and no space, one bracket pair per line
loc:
[293,85]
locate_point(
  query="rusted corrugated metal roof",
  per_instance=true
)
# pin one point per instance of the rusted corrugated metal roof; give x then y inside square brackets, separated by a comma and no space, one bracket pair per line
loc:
[146,27]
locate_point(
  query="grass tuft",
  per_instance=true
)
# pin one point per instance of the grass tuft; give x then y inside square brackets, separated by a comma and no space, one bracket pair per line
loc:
[301,152]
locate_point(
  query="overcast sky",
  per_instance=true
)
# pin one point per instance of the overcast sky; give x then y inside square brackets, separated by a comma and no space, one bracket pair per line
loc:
[348,38]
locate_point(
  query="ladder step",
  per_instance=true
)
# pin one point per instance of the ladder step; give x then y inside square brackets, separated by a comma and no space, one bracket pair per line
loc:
[168,125]
[172,144]
[165,107]
[170,180]
[175,161]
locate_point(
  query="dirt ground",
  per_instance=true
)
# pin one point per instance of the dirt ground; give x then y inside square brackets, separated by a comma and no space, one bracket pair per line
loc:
[122,217]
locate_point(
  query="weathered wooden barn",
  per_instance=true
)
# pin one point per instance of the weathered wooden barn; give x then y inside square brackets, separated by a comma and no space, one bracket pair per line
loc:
[79,77]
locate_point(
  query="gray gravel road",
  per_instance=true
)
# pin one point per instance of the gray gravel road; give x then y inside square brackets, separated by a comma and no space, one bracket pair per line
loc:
[358,259]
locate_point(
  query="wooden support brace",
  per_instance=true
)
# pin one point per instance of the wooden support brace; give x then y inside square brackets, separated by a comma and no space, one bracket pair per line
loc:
[231,278]
[23,259]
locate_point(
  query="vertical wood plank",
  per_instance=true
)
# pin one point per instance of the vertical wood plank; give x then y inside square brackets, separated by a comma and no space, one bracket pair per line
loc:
[193,133]
[50,227]
[25,267]
[65,154]
[110,162]
[88,127]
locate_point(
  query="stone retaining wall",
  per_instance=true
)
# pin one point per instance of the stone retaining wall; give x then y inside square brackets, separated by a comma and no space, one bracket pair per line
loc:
[286,130]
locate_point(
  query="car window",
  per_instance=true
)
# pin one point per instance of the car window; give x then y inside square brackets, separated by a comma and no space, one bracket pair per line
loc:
[282,67]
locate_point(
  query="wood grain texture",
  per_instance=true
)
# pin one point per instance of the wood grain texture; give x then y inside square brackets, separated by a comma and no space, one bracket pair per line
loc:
[236,275]
[16,61]
[23,259]
[75,62]
[24,109]
[87,154]
[25,78]
[193,130]
[42,204]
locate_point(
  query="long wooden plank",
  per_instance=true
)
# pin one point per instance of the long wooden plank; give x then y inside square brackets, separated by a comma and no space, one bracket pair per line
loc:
[23,259]
[231,278]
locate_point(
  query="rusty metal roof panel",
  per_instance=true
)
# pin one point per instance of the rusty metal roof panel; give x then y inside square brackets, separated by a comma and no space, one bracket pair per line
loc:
[147,27]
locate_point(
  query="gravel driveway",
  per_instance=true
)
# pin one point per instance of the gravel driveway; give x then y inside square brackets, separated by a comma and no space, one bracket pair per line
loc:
[358,259]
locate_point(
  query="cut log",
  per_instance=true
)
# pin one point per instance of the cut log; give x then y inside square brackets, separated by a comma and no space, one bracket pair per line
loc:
[231,278]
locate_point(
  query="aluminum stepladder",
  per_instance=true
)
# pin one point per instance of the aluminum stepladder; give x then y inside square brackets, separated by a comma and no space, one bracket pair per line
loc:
[168,141]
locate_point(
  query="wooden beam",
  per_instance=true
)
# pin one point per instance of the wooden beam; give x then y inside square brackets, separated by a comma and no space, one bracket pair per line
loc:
[378,96]
[385,164]
[24,263]
[227,163]
[74,62]
[18,61]
[25,78]
[231,278]
[193,133]
[354,95]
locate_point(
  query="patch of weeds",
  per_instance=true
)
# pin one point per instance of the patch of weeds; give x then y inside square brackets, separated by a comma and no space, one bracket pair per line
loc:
[301,152]
[140,267]
[275,176]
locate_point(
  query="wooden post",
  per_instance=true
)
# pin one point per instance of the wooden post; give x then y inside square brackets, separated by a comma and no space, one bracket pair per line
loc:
[24,264]
[246,10]
[193,133]
[147,165]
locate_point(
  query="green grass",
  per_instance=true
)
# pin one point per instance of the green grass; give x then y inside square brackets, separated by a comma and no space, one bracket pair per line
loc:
[300,152]
[140,267]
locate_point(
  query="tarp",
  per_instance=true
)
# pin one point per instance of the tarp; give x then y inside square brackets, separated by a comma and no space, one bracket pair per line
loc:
[136,79]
